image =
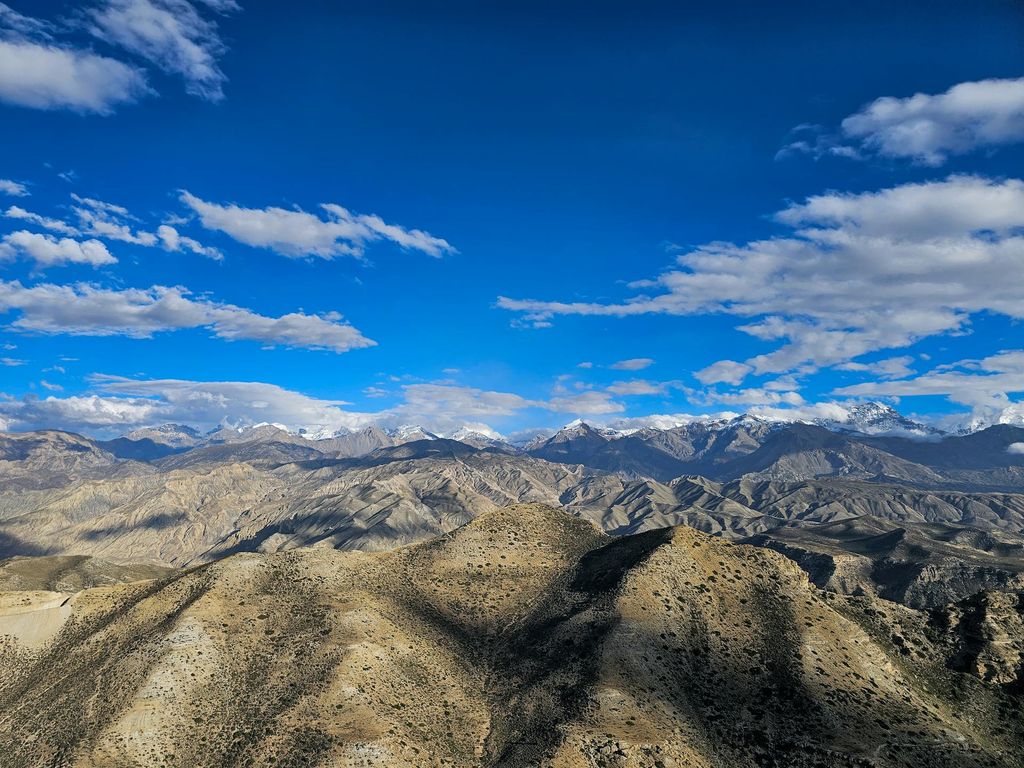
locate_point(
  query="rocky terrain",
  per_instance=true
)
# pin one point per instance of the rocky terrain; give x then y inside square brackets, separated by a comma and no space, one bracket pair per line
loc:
[260,597]
[922,565]
[524,638]
[66,495]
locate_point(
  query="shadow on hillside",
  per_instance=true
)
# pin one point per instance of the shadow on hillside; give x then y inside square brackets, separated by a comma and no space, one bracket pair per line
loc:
[157,522]
[12,546]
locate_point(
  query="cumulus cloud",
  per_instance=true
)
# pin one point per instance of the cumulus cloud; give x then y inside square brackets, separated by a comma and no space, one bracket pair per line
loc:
[296,233]
[889,368]
[751,396]
[114,222]
[439,402]
[172,240]
[444,407]
[110,221]
[54,225]
[633,364]
[724,372]
[13,188]
[637,387]
[117,404]
[45,76]
[1015,448]
[87,310]
[859,273]
[984,385]
[927,128]
[48,251]
[37,72]
[924,128]
[585,403]
[968,381]
[170,34]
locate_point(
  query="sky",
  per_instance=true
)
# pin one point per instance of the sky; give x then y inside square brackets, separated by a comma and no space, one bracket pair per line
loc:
[507,216]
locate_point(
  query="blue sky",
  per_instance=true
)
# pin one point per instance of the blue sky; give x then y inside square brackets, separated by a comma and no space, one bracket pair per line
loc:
[534,212]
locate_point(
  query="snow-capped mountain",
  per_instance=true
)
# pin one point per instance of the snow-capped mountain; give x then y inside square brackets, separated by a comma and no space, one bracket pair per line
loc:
[321,432]
[1012,415]
[171,435]
[876,418]
[678,435]
[407,433]
[477,438]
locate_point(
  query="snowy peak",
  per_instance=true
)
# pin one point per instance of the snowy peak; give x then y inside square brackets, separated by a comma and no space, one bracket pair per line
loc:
[407,433]
[1012,415]
[322,432]
[477,437]
[876,418]
[171,435]
[576,432]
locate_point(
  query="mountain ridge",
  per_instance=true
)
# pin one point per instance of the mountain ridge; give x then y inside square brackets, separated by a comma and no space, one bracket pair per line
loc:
[523,638]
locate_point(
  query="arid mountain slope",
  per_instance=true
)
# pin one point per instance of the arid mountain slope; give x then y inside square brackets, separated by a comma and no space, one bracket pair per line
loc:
[49,459]
[203,509]
[793,452]
[71,573]
[525,638]
[923,565]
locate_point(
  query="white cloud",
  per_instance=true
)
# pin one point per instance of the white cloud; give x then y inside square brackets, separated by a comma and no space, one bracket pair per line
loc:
[752,396]
[585,364]
[431,402]
[665,420]
[50,386]
[970,382]
[585,403]
[637,387]
[48,251]
[46,76]
[171,34]
[724,371]
[890,368]
[11,362]
[860,273]
[984,385]
[114,222]
[634,364]
[1015,448]
[445,407]
[296,233]
[118,404]
[13,188]
[172,240]
[86,310]
[927,128]
[102,219]
[54,225]
[23,26]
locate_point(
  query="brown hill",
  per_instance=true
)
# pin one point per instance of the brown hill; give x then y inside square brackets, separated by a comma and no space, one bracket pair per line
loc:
[524,638]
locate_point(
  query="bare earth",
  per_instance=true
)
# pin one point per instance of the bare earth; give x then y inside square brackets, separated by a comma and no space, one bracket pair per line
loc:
[525,638]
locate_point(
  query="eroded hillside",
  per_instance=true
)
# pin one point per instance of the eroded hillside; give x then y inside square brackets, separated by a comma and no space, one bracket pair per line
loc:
[526,637]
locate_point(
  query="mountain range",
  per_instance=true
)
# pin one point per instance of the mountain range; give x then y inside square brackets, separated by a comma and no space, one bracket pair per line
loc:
[718,593]
[870,440]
